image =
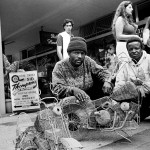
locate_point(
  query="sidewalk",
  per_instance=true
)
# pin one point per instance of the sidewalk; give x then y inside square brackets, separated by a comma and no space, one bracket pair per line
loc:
[8,126]
[140,138]
[140,141]
[98,139]
[7,132]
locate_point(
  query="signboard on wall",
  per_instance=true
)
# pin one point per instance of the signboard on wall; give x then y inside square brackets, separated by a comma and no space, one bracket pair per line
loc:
[48,38]
[24,90]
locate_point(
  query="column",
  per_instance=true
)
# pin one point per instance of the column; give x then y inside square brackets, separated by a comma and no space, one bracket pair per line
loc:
[2,94]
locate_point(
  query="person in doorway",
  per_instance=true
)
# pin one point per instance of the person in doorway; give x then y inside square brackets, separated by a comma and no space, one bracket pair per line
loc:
[146,35]
[72,77]
[63,39]
[123,29]
[136,71]
[110,57]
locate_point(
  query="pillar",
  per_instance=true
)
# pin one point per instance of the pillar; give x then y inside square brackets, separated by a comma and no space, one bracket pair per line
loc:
[2,94]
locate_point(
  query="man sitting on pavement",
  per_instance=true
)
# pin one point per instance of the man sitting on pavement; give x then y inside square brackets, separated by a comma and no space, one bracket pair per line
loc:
[136,71]
[73,77]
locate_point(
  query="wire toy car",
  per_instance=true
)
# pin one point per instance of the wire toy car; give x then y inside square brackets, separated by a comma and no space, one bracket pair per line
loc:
[49,131]
[108,114]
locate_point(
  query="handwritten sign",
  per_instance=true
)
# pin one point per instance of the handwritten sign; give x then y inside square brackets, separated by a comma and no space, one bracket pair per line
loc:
[24,90]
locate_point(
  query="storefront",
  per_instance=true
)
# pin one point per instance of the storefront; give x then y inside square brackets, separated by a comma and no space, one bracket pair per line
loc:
[42,55]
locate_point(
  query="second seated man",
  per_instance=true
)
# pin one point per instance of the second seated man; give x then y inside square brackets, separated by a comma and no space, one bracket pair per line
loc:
[137,72]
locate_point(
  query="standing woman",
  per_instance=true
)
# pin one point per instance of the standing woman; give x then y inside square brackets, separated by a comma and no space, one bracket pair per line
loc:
[123,29]
[146,33]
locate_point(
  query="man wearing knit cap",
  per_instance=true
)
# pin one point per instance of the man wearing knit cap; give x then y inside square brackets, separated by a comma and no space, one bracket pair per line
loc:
[74,76]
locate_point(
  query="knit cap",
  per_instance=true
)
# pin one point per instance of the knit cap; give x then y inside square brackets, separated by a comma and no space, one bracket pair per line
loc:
[77,43]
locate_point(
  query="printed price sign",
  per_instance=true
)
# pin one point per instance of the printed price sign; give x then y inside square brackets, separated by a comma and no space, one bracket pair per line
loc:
[24,90]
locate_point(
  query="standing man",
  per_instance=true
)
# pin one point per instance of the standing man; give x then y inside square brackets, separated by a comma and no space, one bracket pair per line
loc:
[63,39]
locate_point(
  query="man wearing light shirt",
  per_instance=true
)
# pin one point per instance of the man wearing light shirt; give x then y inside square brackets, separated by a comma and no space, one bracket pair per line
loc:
[137,71]
[63,39]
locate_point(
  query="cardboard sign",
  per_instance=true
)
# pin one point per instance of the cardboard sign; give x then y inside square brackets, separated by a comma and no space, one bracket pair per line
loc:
[24,90]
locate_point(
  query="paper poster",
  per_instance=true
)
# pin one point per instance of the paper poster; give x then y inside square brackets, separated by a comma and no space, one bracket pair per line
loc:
[24,90]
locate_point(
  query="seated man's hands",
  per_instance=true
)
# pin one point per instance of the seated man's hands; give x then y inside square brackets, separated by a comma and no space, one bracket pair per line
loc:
[107,87]
[80,94]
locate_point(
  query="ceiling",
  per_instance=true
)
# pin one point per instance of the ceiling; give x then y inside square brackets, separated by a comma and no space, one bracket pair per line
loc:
[25,17]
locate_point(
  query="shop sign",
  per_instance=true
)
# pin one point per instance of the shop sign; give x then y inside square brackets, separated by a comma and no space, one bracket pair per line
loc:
[48,38]
[24,90]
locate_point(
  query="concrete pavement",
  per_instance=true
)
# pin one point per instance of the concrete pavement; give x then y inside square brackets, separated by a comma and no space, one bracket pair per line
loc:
[92,140]
[140,141]
[8,126]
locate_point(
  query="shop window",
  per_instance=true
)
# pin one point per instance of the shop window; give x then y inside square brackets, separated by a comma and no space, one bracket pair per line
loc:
[24,54]
[9,57]
[87,30]
[103,25]
[31,53]
[143,9]
[97,27]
